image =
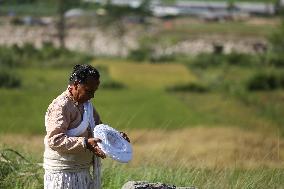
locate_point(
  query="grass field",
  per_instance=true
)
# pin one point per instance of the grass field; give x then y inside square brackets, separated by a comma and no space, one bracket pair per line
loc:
[144,103]
[202,157]
[217,139]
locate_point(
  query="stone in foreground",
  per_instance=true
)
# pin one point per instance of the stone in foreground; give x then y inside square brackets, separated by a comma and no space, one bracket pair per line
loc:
[147,185]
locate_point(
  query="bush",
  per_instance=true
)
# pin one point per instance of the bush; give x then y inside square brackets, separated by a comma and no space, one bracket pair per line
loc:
[191,87]
[48,55]
[141,54]
[8,57]
[163,58]
[8,79]
[110,84]
[241,59]
[16,171]
[205,60]
[276,60]
[266,81]
[107,81]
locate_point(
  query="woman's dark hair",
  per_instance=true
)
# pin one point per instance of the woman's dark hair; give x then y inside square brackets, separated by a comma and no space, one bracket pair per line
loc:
[81,72]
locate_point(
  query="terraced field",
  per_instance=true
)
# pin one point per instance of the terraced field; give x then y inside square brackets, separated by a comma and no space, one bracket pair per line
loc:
[210,140]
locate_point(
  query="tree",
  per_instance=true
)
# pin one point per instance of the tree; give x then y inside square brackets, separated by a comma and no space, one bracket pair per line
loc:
[114,17]
[277,43]
[63,6]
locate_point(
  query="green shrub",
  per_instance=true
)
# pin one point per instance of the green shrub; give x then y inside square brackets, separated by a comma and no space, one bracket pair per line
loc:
[141,54]
[276,60]
[8,79]
[107,82]
[266,81]
[190,87]
[9,57]
[205,60]
[50,56]
[241,59]
[18,172]
[163,58]
[110,84]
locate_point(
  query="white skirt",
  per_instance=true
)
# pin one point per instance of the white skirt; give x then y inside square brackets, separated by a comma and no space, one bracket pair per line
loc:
[68,180]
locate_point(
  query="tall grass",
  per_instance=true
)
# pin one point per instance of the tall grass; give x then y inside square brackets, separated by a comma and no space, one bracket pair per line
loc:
[179,157]
[17,171]
[114,175]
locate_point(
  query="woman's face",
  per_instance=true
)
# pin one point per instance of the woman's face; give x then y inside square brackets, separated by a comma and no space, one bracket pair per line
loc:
[84,92]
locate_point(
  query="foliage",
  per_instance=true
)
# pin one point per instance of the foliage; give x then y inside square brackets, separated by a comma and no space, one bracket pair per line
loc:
[277,43]
[117,13]
[277,40]
[107,81]
[18,172]
[19,1]
[198,177]
[276,59]
[141,54]
[37,8]
[266,81]
[191,87]
[163,59]
[112,85]
[47,56]
[144,99]
[8,57]
[115,18]
[26,174]
[9,79]
[206,60]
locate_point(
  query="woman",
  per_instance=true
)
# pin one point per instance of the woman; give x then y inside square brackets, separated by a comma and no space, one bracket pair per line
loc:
[69,145]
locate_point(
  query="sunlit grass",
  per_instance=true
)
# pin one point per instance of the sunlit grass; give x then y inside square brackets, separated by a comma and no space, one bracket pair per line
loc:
[210,140]
[144,103]
[201,157]
[200,147]
[149,76]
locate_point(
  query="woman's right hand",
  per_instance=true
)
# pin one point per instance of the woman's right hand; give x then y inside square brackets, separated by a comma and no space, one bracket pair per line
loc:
[92,145]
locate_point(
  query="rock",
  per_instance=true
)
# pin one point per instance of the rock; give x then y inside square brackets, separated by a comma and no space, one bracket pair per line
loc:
[147,185]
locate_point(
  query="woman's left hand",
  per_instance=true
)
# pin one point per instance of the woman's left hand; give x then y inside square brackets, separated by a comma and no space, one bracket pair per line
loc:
[124,135]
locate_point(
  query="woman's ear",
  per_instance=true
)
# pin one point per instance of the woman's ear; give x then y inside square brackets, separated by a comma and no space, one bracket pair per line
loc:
[75,85]
[70,88]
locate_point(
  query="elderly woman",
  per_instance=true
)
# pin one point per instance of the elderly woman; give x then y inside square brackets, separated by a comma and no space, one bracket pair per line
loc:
[69,145]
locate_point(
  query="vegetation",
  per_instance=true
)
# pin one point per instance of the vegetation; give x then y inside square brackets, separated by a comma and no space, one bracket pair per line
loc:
[143,104]
[8,79]
[16,168]
[180,111]
[276,39]
[266,81]
[25,174]
[47,56]
[108,82]
[191,87]
[201,178]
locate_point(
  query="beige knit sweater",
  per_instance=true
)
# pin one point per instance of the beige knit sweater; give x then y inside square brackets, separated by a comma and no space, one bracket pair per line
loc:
[61,151]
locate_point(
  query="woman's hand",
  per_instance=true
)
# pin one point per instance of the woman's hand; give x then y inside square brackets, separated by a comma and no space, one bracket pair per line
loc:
[124,135]
[92,145]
